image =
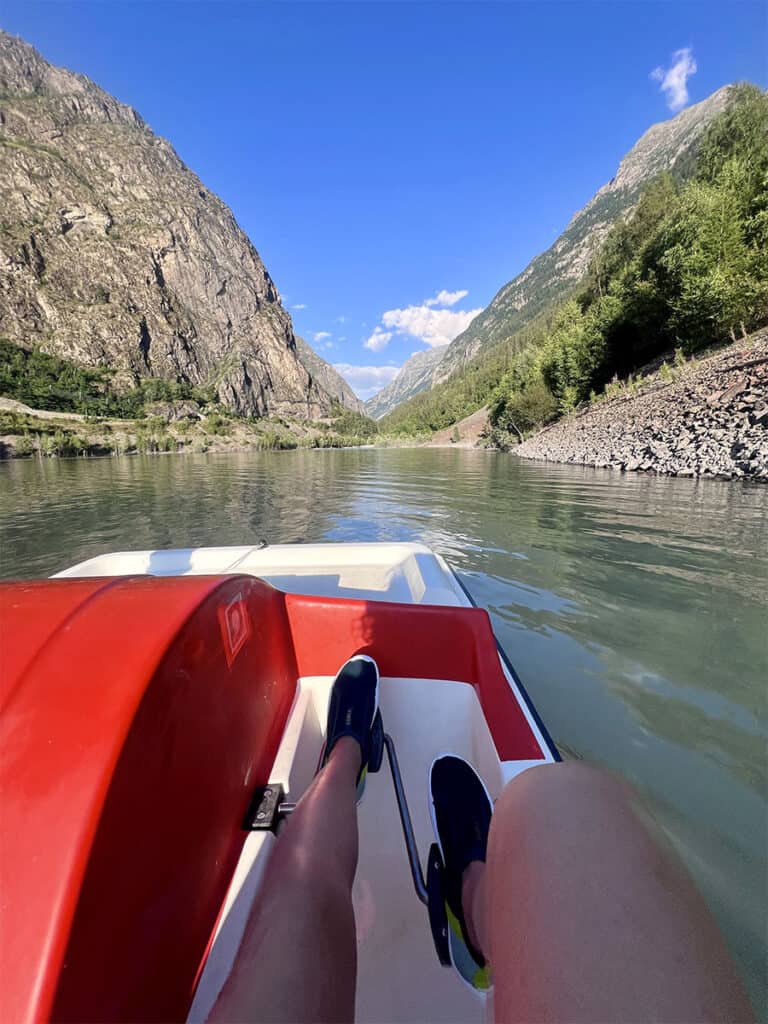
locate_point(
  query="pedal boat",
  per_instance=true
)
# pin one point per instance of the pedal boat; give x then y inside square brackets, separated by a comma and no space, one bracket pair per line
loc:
[161,713]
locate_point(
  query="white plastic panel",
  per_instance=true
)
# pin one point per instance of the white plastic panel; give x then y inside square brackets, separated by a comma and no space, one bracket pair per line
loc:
[406,573]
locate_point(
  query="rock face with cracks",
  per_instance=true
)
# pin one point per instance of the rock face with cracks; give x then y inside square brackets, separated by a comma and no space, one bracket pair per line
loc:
[112,252]
[328,379]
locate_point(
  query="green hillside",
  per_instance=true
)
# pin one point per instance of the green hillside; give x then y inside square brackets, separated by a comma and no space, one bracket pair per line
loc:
[688,269]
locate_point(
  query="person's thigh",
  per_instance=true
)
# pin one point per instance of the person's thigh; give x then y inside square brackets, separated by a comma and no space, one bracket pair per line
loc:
[590,917]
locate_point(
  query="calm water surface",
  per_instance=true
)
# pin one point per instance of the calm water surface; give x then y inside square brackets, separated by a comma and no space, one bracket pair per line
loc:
[635,609]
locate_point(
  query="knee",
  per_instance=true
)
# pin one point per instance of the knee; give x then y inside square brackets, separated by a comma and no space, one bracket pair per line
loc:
[558,792]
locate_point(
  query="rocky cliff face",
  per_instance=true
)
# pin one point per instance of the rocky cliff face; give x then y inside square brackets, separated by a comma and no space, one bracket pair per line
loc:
[415,375]
[669,146]
[329,380]
[113,252]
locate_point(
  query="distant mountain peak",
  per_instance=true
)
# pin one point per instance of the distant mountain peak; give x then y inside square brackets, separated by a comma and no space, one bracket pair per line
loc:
[25,73]
[414,376]
[663,147]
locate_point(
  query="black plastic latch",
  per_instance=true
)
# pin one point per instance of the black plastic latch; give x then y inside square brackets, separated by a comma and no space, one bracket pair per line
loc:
[263,814]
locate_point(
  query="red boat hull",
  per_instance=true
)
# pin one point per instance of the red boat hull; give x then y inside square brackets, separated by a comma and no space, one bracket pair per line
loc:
[139,715]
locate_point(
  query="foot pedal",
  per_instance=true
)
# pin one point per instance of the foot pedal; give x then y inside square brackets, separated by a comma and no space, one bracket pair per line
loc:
[377,744]
[438,919]
[265,808]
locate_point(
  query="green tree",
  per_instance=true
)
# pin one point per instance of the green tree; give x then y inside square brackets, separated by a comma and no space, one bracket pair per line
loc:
[349,423]
[572,355]
[712,278]
[741,131]
[523,411]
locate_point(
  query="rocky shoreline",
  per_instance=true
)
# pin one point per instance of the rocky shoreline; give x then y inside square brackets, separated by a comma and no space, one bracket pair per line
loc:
[711,420]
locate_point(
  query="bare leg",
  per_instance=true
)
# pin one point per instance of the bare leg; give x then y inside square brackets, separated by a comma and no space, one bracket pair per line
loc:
[585,917]
[298,958]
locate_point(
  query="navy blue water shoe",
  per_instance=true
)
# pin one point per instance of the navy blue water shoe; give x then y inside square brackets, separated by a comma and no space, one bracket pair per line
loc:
[461,816]
[353,710]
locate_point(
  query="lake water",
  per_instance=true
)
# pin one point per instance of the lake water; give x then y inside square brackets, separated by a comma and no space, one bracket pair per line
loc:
[634,608]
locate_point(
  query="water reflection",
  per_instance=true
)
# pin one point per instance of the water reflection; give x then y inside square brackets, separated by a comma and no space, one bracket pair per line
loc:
[634,608]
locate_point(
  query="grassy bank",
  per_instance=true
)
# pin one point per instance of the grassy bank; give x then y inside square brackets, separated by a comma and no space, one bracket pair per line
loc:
[29,433]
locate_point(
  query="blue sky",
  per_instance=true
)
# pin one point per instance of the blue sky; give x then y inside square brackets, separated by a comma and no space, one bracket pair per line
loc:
[384,157]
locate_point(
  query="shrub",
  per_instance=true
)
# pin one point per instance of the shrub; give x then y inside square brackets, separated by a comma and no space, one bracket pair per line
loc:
[216,424]
[499,439]
[272,440]
[613,388]
[526,410]
[24,446]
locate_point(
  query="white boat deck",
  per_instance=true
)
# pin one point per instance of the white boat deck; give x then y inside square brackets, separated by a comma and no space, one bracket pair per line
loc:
[399,976]
[407,573]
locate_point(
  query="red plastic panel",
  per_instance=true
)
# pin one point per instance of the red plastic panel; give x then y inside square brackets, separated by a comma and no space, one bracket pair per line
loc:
[29,614]
[423,641]
[131,746]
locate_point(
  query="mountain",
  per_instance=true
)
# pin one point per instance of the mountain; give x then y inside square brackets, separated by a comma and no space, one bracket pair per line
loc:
[112,252]
[329,380]
[414,376]
[668,146]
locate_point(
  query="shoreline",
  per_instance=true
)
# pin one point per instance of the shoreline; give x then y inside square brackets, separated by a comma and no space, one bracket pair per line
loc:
[27,433]
[709,421]
[232,449]
[706,418]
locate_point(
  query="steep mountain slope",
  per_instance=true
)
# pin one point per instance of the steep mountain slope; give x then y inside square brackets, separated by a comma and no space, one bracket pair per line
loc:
[112,252]
[668,146]
[329,380]
[414,376]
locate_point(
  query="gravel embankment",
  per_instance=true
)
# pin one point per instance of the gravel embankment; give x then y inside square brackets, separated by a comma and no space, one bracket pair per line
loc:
[711,421]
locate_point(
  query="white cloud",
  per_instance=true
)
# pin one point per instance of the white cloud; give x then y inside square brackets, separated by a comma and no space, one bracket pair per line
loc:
[299,305]
[378,340]
[341,319]
[674,80]
[444,298]
[435,327]
[430,322]
[365,381]
[321,335]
